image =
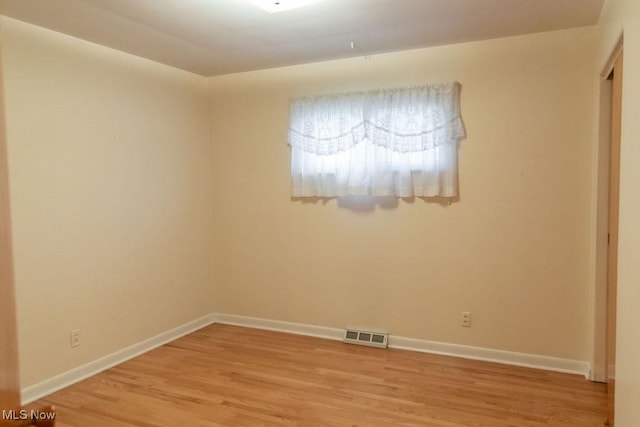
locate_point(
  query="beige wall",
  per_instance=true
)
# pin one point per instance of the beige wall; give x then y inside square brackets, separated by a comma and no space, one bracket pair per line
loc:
[9,381]
[620,16]
[114,181]
[109,160]
[515,250]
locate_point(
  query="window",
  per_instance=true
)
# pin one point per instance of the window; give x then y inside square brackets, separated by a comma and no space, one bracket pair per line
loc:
[390,142]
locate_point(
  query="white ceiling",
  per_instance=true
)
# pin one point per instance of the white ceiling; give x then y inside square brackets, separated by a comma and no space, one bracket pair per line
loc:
[212,37]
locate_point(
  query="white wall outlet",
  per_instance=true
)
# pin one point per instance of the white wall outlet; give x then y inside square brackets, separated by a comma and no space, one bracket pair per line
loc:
[466,319]
[74,337]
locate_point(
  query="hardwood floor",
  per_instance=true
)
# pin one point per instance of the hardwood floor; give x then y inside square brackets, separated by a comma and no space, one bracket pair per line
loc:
[230,376]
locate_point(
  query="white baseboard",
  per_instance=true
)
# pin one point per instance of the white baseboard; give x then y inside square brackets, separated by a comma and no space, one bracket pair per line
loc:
[280,326]
[526,360]
[547,363]
[44,388]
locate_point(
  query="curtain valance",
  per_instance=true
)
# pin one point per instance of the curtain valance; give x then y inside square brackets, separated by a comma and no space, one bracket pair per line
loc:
[402,119]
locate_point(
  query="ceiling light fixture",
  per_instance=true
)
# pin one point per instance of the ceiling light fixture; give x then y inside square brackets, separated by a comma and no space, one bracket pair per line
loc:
[273,6]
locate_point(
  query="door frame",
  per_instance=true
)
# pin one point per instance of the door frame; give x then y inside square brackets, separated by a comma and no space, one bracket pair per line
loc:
[9,372]
[607,201]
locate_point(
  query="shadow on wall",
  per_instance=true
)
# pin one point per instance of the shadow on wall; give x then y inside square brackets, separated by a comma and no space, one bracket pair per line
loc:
[369,203]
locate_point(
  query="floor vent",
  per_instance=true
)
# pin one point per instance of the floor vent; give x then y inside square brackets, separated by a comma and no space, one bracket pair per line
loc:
[372,339]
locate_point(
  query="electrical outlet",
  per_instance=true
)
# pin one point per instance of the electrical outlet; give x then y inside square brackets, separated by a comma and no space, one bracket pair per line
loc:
[466,319]
[75,337]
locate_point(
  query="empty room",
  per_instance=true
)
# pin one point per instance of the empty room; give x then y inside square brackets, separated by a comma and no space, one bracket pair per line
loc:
[319,212]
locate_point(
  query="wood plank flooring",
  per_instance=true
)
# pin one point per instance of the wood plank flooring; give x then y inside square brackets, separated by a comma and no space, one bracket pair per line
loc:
[230,376]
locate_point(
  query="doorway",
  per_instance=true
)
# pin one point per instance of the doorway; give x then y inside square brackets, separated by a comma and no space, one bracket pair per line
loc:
[607,227]
[9,381]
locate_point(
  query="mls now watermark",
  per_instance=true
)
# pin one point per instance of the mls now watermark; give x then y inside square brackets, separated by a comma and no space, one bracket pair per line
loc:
[34,414]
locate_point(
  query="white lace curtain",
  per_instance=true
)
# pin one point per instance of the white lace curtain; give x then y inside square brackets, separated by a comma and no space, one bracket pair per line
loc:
[400,142]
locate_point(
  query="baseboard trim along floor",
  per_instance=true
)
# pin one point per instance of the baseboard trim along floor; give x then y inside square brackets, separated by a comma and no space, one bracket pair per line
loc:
[547,363]
[39,390]
[46,387]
